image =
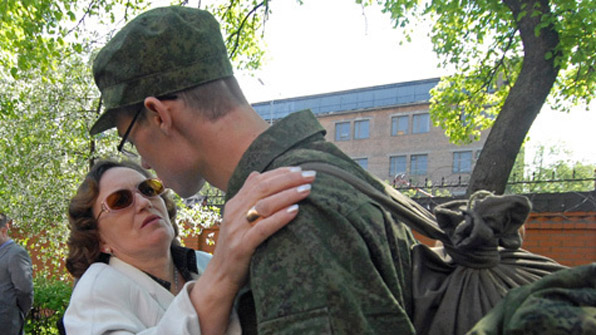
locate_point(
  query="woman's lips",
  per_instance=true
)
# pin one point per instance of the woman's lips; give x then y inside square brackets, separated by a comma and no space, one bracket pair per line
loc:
[150,219]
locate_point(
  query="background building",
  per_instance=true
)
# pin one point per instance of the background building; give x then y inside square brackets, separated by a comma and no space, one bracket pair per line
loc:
[388,131]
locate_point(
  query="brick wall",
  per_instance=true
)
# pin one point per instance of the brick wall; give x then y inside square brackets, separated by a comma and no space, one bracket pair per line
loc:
[205,241]
[568,238]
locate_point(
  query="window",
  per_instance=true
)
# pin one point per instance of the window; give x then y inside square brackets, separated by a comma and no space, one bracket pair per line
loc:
[397,165]
[361,129]
[420,123]
[399,125]
[418,164]
[363,162]
[462,162]
[342,131]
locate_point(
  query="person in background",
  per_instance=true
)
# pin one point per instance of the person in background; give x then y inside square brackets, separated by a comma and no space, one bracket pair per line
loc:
[16,282]
[133,275]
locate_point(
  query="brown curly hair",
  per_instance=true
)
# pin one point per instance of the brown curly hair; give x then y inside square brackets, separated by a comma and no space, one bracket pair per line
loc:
[83,241]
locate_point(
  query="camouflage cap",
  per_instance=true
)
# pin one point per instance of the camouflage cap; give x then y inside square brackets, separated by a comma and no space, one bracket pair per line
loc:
[161,51]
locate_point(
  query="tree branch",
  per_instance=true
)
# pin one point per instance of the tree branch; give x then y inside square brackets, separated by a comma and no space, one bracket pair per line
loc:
[494,70]
[237,32]
[83,17]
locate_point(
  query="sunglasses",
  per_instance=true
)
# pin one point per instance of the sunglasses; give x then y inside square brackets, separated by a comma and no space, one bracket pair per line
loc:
[123,199]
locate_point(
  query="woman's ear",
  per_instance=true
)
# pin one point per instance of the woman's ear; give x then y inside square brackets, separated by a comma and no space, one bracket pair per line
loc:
[103,247]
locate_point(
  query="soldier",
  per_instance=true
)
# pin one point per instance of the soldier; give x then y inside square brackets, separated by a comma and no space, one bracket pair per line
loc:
[340,266]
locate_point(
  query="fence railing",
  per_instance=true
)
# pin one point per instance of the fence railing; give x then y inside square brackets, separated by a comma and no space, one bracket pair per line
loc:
[426,187]
[530,185]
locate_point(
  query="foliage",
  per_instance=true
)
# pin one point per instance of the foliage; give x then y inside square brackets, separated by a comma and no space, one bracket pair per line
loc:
[44,149]
[563,175]
[38,34]
[426,192]
[50,302]
[414,188]
[481,40]
[241,22]
[193,218]
[517,173]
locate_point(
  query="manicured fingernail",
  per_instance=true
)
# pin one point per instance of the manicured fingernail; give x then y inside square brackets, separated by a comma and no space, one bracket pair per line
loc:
[303,188]
[292,208]
[310,173]
[295,169]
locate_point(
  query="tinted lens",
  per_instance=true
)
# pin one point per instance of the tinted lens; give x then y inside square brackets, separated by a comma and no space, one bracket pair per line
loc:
[151,187]
[119,199]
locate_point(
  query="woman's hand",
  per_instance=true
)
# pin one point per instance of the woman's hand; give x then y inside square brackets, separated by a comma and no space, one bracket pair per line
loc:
[274,195]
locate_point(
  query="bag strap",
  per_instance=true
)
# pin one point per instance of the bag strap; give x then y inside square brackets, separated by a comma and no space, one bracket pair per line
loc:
[407,210]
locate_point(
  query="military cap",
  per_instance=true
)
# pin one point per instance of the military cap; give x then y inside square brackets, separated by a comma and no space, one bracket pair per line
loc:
[161,51]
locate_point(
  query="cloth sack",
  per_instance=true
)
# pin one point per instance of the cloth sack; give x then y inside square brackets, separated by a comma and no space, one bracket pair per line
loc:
[479,262]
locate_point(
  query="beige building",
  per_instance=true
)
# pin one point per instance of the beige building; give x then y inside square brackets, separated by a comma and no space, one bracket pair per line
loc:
[387,130]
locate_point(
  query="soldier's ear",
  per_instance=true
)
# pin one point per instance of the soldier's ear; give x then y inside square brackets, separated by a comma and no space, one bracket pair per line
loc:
[160,113]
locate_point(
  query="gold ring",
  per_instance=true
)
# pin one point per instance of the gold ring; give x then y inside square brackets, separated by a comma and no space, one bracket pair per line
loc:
[252,215]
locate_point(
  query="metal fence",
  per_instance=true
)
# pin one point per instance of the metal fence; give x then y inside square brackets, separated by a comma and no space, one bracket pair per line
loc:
[454,186]
[458,185]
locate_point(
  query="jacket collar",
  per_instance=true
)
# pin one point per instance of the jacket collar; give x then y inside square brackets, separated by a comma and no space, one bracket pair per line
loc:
[272,143]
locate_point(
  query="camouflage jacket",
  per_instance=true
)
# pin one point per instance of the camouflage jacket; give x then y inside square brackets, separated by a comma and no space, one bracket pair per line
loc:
[342,266]
[561,303]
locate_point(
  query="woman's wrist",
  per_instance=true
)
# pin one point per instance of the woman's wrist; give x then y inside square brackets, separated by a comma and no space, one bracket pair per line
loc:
[212,297]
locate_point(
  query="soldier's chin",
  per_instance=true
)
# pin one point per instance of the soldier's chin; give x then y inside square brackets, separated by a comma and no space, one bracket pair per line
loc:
[187,191]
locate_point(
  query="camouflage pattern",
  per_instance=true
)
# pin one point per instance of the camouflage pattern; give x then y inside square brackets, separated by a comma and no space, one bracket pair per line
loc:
[161,51]
[342,266]
[563,303]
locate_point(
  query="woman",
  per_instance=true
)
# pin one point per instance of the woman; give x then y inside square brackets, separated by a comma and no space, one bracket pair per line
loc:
[134,278]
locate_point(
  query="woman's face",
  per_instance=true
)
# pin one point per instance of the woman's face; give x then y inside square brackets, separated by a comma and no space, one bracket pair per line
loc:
[142,229]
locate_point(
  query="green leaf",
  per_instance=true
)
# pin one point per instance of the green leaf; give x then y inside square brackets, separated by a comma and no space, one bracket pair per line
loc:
[548,55]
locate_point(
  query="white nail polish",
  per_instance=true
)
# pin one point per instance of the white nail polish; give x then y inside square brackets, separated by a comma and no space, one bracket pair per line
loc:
[295,169]
[303,188]
[310,173]
[292,208]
